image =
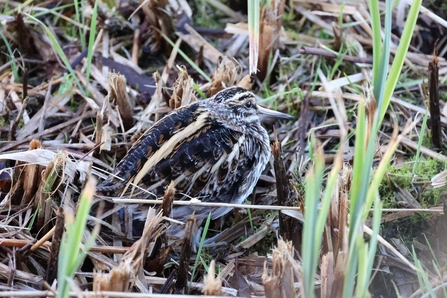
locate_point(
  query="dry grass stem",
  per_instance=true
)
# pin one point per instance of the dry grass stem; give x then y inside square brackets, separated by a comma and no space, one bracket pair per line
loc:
[212,285]
[183,90]
[280,282]
[118,95]
[73,104]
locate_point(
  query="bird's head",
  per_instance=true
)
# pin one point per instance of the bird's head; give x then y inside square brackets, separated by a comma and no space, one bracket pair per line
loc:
[241,104]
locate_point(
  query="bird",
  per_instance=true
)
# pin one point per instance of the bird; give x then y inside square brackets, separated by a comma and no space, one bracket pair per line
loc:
[213,149]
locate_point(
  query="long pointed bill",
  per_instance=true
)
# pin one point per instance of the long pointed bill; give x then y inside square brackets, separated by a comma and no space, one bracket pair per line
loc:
[268,115]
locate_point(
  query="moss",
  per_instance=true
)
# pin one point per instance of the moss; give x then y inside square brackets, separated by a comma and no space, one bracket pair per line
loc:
[206,15]
[290,21]
[21,123]
[444,97]
[265,246]
[419,184]
[324,35]
[292,98]
[426,141]
[414,176]
[351,115]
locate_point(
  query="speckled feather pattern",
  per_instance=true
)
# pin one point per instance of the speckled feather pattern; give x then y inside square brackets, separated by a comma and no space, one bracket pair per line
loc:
[213,150]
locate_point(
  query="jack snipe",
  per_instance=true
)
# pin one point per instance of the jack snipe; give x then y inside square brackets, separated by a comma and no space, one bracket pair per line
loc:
[213,150]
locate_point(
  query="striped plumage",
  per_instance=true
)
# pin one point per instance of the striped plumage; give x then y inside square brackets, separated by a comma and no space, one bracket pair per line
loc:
[213,150]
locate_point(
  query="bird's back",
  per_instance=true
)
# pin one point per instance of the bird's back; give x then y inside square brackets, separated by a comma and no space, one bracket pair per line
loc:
[200,152]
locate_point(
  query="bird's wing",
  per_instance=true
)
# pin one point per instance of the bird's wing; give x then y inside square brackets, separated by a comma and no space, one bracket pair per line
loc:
[210,164]
[205,159]
[155,140]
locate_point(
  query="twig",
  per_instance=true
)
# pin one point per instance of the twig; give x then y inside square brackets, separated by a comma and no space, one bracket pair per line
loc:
[324,53]
[53,129]
[435,114]
[286,224]
[17,120]
[424,150]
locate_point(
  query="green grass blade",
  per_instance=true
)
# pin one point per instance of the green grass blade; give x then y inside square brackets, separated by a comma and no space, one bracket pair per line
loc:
[421,139]
[401,53]
[310,253]
[362,282]
[80,17]
[367,261]
[359,151]
[14,67]
[60,52]
[199,251]
[72,253]
[424,280]
[18,8]
[200,92]
[190,62]
[350,277]
[316,217]
[382,72]
[91,43]
[254,21]
[379,174]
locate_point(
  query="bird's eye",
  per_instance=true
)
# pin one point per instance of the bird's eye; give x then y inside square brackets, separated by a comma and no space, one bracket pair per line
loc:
[248,104]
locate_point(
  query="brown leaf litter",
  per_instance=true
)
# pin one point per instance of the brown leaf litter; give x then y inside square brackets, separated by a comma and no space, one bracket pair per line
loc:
[58,134]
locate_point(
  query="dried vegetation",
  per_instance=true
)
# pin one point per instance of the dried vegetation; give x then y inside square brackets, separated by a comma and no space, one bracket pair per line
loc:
[71,104]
